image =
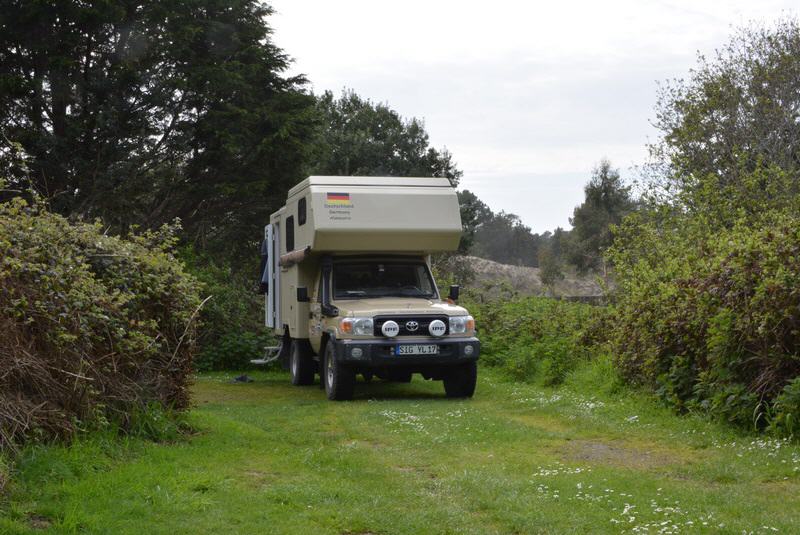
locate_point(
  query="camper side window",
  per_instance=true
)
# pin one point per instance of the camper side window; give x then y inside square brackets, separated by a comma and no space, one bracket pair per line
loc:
[290,234]
[301,212]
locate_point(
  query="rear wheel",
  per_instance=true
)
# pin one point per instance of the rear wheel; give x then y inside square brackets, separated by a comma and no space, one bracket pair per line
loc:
[340,381]
[460,381]
[301,365]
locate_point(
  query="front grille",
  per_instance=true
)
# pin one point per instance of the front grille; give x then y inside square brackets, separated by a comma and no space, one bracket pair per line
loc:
[402,321]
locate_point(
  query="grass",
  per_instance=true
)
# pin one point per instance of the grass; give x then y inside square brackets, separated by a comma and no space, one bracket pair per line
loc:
[267,457]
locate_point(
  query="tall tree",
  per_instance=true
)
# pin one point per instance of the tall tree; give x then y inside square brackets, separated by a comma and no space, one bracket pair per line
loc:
[504,238]
[736,114]
[474,214]
[139,112]
[360,137]
[608,200]
[551,269]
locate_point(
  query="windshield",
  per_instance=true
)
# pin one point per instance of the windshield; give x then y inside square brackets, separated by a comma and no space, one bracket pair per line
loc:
[354,280]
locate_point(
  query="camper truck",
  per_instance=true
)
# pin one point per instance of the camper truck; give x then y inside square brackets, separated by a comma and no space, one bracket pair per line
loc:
[348,286]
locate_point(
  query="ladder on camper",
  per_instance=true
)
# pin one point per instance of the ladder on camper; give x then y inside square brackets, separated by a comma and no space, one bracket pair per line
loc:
[271,354]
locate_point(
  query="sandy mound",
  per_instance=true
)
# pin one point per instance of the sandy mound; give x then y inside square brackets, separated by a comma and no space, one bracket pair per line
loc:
[525,280]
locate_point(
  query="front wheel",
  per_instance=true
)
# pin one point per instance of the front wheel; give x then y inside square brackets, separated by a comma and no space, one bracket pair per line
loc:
[340,381]
[460,381]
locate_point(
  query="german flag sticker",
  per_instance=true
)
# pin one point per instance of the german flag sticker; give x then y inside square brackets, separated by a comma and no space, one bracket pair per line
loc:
[338,199]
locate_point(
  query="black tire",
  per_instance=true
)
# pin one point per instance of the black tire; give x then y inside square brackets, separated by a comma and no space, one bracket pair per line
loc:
[340,381]
[301,365]
[284,351]
[460,381]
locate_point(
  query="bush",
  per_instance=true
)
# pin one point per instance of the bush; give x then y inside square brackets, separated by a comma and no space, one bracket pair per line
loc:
[712,321]
[785,414]
[92,327]
[233,319]
[536,337]
[5,473]
[233,351]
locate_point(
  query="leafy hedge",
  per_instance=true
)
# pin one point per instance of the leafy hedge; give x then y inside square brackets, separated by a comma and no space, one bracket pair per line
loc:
[93,328]
[537,338]
[233,331]
[711,321]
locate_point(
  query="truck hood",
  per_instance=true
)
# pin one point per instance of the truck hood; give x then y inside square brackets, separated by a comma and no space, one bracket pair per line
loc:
[396,305]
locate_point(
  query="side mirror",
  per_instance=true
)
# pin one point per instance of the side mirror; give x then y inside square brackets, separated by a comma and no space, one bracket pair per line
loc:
[454,291]
[302,295]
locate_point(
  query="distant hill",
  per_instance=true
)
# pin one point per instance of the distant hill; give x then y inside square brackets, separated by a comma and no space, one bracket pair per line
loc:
[525,280]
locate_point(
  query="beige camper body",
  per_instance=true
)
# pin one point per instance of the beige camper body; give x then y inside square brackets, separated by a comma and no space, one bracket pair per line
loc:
[348,284]
[353,215]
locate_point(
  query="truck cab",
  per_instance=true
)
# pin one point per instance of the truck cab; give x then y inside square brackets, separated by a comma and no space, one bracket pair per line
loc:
[349,288]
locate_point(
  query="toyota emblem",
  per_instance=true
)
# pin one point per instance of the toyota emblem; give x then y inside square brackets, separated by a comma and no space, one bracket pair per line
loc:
[412,326]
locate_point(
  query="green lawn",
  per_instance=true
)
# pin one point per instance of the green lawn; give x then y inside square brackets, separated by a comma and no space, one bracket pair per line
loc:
[271,458]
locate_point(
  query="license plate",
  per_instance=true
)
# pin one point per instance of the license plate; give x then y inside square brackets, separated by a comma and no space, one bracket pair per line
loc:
[431,349]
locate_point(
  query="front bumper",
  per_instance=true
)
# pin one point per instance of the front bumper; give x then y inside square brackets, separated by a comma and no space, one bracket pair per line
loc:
[381,353]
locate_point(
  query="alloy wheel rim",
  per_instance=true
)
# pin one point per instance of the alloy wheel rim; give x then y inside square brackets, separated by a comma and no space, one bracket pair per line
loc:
[329,375]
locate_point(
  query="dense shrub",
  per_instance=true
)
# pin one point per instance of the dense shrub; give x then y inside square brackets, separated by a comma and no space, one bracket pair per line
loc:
[712,320]
[93,328]
[5,473]
[707,276]
[784,416]
[233,319]
[233,351]
[537,338]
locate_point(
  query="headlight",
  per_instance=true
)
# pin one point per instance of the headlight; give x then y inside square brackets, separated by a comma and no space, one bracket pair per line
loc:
[462,324]
[356,326]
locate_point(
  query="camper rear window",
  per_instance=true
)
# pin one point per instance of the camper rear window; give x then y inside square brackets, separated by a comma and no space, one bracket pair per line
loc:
[358,280]
[290,234]
[301,212]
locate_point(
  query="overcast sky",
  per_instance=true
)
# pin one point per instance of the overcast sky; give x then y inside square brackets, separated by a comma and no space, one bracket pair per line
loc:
[528,96]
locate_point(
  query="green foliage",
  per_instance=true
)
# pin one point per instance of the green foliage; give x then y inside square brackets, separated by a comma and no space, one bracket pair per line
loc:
[707,277]
[608,200]
[151,421]
[500,237]
[474,213]
[358,137]
[5,473]
[142,112]
[233,351]
[233,319]
[734,114]
[785,414]
[710,320]
[449,269]
[92,326]
[537,338]
[504,238]
[551,269]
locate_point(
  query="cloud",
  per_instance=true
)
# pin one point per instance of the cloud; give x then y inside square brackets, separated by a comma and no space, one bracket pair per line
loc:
[528,96]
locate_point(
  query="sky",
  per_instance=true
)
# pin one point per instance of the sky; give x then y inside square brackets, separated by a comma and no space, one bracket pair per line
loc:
[528,95]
